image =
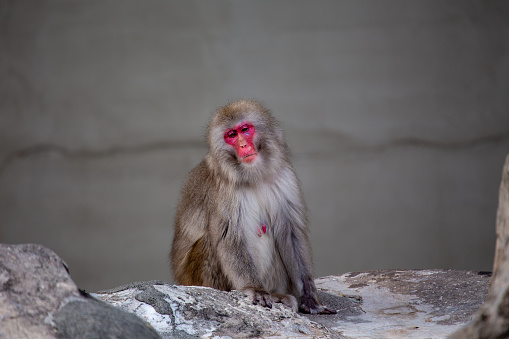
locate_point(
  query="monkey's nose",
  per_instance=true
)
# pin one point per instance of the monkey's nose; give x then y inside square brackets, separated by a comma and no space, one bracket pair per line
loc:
[242,142]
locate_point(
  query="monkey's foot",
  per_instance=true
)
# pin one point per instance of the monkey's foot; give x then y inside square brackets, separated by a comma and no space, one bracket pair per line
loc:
[312,306]
[259,297]
[287,300]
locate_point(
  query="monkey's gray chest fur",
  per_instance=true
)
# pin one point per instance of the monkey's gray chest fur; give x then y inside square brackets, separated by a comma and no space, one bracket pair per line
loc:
[256,212]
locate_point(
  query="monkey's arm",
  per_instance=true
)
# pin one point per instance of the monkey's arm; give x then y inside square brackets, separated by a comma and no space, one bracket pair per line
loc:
[190,223]
[295,252]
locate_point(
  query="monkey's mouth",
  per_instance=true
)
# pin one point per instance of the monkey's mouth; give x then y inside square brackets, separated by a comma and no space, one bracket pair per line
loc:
[249,157]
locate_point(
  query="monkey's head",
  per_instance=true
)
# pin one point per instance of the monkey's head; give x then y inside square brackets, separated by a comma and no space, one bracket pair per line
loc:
[246,142]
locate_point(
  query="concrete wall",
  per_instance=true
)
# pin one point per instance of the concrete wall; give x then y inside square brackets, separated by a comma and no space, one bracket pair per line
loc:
[397,113]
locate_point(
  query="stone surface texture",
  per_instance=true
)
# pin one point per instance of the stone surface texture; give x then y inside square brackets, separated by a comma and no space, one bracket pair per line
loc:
[396,113]
[405,303]
[378,304]
[38,299]
[184,311]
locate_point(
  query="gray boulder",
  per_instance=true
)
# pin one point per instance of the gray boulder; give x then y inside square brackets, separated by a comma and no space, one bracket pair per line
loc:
[38,299]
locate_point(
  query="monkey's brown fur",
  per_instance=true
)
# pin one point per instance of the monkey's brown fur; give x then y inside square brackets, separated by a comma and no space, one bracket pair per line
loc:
[224,201]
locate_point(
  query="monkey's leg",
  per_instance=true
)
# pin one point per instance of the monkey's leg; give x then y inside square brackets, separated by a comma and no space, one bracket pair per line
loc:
[295,252]
[309,302]
[240,269]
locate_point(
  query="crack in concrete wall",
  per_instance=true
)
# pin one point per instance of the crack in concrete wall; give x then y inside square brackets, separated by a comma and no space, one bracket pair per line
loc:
[119,150]
[445,145]
[124,150]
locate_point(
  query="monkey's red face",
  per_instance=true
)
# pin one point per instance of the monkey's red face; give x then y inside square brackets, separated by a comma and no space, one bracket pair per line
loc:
[241,137]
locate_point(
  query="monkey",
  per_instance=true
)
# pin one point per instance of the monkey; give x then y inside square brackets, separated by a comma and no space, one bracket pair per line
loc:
[242,223]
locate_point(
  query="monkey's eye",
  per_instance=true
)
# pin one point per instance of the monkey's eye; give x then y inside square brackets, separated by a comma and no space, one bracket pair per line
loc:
[246,128]
[231,134]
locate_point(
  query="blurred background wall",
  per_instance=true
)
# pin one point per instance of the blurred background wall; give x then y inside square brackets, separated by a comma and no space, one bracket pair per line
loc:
[397,113]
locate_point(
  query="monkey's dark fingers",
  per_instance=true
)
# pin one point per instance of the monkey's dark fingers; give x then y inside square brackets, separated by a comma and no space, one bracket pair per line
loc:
[304,309]
[257,299]
[262,299]
[267,300]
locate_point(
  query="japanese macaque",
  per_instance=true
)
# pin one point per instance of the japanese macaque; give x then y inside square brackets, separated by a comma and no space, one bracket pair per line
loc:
[241,223]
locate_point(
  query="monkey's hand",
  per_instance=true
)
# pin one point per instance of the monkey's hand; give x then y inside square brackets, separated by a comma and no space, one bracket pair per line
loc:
[259,297]
[310,305]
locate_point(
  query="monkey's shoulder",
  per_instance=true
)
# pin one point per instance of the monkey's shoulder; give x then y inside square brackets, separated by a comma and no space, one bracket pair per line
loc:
[195,202]
[198,184]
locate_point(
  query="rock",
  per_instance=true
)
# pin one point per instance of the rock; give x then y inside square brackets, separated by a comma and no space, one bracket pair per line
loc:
[392,303]
[492,319]
[91,318]
[38,299]
[192,311]
[404,303]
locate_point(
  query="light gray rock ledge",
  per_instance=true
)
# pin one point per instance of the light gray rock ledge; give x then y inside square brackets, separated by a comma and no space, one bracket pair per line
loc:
[378,304]
[192,311]
[404,303]
[38,299]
